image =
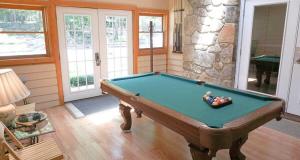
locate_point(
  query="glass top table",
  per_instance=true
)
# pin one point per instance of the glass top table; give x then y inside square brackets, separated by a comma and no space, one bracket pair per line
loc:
[42,128]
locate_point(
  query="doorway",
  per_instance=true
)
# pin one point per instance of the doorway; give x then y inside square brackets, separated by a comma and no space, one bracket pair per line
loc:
[94,45]
[267,46]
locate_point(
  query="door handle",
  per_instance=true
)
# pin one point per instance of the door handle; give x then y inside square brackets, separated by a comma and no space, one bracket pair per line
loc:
[97,58]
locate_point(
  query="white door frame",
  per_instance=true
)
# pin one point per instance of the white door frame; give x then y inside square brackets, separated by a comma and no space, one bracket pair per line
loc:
[294,97]
[102,29]
[288,47]
[68,95]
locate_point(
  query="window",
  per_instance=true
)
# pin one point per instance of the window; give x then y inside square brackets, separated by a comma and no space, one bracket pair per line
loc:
[144,33]
[22,33]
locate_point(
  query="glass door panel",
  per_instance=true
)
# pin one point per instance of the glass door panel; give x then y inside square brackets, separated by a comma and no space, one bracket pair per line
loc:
[117,46]
[79,51]
[266,48]
[117,43]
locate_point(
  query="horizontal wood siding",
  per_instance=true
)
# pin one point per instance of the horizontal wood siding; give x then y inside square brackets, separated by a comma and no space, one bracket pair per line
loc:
[175,60]
[159,63]
[41,80]
[175,64]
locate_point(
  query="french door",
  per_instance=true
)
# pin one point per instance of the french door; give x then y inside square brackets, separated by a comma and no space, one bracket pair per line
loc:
[116,43]
[267,46]
[86,58]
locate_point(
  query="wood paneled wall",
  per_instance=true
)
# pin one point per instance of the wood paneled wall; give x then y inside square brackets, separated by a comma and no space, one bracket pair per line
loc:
[41,80]
[175,60]
[159,63]
[175,64]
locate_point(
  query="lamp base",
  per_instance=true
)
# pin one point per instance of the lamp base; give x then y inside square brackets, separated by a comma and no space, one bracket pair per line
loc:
[7,114]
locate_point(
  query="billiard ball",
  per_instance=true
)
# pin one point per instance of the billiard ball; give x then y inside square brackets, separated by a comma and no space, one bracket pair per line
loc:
[214,103]
[210,100]
[208,93]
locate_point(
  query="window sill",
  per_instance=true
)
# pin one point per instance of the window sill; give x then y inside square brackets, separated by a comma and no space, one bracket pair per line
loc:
[148,49]
[145,52]
[177,52]
[26,61]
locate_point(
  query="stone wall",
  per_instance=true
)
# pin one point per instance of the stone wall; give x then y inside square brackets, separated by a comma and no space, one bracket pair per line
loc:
[209,37]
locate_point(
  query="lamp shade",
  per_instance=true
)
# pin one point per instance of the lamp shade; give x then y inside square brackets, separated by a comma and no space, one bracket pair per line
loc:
[12,88]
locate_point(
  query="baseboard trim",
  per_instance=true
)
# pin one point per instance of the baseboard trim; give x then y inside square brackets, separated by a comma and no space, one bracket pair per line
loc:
[292,117]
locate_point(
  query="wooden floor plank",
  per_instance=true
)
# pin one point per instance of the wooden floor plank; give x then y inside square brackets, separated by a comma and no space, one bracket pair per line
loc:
[99,137]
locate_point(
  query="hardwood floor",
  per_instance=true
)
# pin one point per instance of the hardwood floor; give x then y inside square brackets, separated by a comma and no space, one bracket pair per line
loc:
[99,137]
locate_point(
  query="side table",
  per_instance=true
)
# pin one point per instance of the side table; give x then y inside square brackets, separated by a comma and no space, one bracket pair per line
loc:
[44,128]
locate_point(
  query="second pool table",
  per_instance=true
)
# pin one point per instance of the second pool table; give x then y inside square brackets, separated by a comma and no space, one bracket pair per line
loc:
[177,103]
[265,64]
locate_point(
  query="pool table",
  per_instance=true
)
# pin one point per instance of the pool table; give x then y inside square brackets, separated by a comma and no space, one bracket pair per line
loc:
[265,64]
[176,103]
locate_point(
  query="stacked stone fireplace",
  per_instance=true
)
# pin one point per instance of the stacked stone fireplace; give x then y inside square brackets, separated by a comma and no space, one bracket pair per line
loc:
[209,37]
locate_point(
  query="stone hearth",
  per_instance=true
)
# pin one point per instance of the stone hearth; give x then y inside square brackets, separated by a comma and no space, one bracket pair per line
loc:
[210,28]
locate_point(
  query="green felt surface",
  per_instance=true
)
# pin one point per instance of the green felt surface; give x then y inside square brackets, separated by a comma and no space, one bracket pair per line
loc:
[185,96]
[265,58]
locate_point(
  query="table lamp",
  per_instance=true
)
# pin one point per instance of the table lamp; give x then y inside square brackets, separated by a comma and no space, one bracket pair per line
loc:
[11,90]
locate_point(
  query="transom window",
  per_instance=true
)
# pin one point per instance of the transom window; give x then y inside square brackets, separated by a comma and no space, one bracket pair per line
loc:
[22,33]
[144,31]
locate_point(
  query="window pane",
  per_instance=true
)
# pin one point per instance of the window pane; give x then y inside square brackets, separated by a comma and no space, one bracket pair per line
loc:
[22,44]
[144,22]
[144,40]
[71,54]
[69,22]
[78,22]
[90,72]
[70,38]
[86,23]
[158,40]
[81,73]
[144,35]
[21,20]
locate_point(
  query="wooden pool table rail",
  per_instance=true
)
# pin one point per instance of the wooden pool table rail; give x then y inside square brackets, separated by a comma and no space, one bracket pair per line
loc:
[204,141]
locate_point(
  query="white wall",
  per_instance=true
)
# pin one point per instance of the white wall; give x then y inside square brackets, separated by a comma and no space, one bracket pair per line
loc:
[153,4]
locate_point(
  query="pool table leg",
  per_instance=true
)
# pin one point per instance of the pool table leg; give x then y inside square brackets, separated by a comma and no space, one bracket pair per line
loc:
[138,113]
[235,150]
[259,74]
[125,113]
[268,77]
[201,153]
